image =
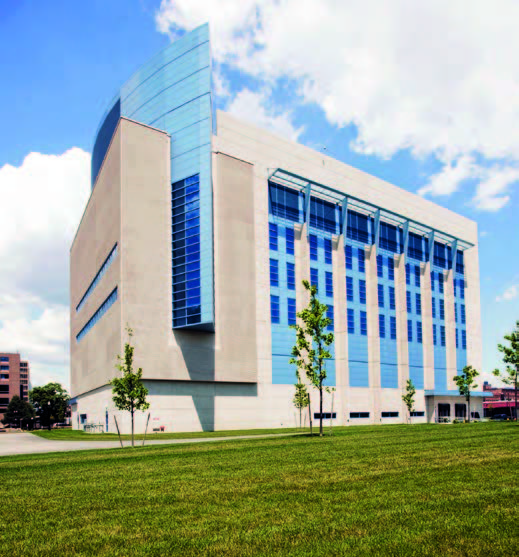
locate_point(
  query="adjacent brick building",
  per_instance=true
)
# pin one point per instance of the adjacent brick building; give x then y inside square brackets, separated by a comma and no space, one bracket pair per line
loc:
[502,400]
[14,379]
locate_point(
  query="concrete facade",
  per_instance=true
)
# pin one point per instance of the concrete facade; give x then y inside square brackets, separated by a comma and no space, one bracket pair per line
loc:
[236,374]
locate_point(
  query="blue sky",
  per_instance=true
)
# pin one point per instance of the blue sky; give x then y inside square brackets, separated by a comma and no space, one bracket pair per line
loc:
[423,97]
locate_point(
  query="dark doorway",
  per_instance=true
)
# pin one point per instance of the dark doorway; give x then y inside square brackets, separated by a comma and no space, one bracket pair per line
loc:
[460,411]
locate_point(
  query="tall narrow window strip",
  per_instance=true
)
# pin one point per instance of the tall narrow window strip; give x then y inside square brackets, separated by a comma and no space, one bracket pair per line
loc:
[327,251]
[407,273]
[351,321]
[274,272]
[463,315]
[289,239]
[103,308]
[274,308]
[440,282]
[390,268]
[381,325]
[392,303]
[362,291]
[273,236]
[419,337]
[349,289]
[348,254]
[363,323]
[408,302]
[291,276]
[392,325]
[435,339]
[361,260]
[409,330]
[380,266]
[418,302]
[329,314]
[313,247]
[380,296]
[442,309]
[464,339]
[291,311]
[329,284]
[433,306]
[102,270]
[187,299]
[442,335]
[416,275]
[432,281]
[314,278]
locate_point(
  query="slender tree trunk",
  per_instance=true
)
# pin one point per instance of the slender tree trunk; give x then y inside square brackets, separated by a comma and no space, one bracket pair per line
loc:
[310,415]
[133,443]
[321,409]
[468,401]
[300,417]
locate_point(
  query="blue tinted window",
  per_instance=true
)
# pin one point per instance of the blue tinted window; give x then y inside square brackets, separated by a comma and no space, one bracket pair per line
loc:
[457,342]
[313,247]
[362,291]
[327,251]
[273,236]
[418,300]
[433,301]
[329,314]
[380,266]
[442,335]
[419,337]
[348,253]
[407,273]
[408,300]
[380,296]
[409,330]
[186,251]
[440,282]
[435,340]
[289,236]
[388,237]
[460,266]
[442,310]
[291,276]
[274,308]
[416,275]
[349,289]
[432,281]
[363,323]
[323,215]
[284,202]
[274,272]
[392,304]
[464,339]
[463,316]
[382,325]
[314,277]
[462,289]
[361,260]
[390,268]
[415,247]
[291,308]
[103,308]
[358,227]
[392,324]
[351,321]
[329,284]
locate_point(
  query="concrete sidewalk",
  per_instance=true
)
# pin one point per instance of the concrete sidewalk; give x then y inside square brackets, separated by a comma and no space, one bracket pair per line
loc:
[26,443]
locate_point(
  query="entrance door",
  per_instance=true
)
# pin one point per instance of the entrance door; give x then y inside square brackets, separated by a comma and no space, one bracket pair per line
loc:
[444,412]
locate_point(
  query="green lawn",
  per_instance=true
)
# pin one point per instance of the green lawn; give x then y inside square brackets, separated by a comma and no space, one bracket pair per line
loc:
[381,490]
[76,435]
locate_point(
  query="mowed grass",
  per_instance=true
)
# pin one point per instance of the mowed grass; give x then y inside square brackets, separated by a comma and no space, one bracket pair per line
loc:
[77,435]
[382,490]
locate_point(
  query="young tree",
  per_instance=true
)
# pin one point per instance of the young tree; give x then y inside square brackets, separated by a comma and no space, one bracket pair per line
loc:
[466,383]
[17,411]
[312,342]
[408,398]
[301,397]
[128,391]
[510,357]
[51,402]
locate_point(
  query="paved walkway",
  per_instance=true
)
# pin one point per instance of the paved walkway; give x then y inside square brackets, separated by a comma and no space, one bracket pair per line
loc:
[26,443]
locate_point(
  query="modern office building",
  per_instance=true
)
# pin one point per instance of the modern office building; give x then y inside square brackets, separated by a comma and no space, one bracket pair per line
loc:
[198,232]
[14,379]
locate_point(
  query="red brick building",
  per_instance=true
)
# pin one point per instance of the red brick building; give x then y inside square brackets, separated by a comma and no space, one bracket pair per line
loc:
[14,379]
[502,400]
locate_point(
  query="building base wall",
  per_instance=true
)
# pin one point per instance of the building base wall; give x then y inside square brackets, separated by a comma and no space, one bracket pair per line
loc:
[177,406]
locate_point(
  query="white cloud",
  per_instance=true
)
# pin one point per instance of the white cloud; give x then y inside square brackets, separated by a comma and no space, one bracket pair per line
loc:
[432,77]
[449,179]
[41,203]
[509,293]
[491,193]
[257,109]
